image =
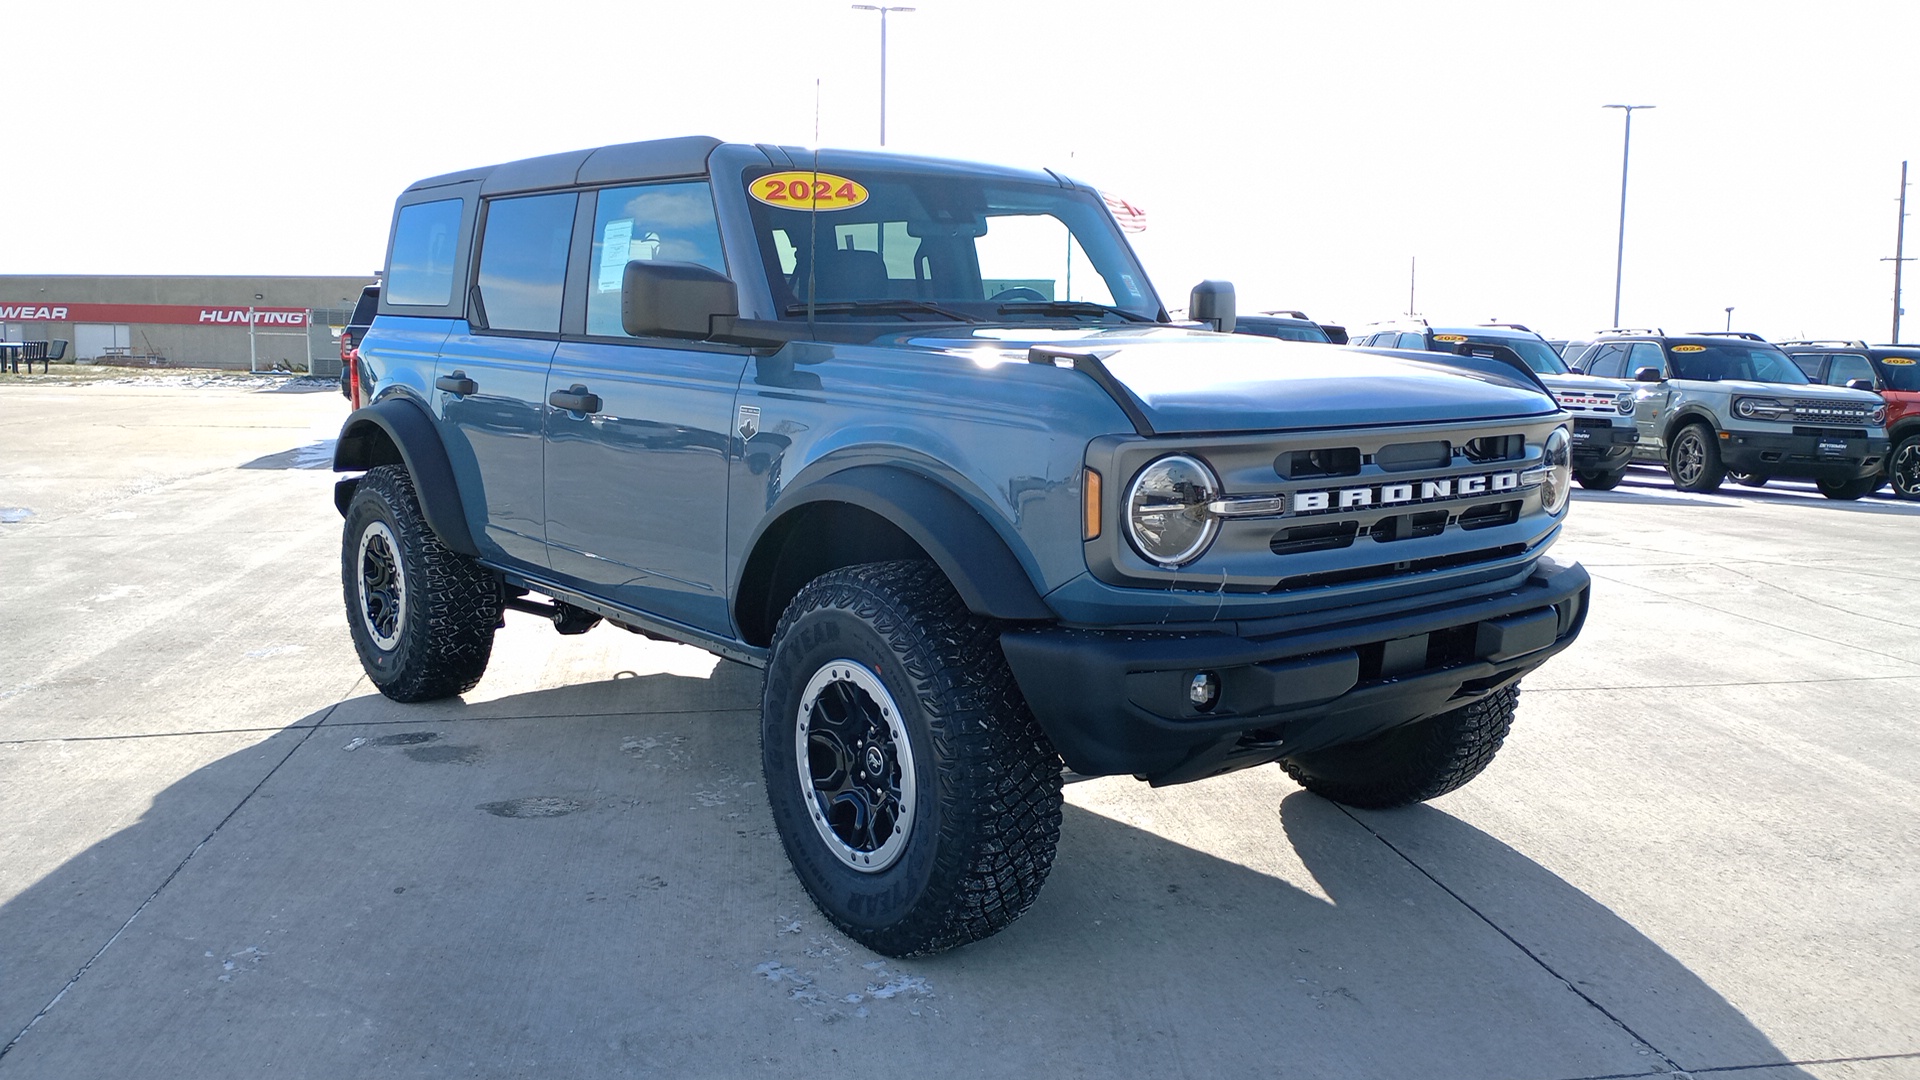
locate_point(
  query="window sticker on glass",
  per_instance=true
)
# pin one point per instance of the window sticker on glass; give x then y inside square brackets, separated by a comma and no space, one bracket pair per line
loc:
[1133,290]
[1898,361]
[1451,339]
[1689,348]
[808,191]
[617,241]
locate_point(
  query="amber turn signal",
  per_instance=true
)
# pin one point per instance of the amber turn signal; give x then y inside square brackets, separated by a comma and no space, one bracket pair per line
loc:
[1090,505]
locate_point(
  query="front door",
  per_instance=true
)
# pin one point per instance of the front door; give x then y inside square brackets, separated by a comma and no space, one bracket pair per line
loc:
[640,432]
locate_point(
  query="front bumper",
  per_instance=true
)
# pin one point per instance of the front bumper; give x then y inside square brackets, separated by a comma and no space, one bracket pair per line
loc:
[1807,456]
[1601,445]
[1116,701]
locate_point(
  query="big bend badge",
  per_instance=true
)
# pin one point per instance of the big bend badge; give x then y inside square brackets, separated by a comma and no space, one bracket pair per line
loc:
[748,424]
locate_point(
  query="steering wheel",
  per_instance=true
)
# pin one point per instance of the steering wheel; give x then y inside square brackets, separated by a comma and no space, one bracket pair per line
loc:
[1020,292]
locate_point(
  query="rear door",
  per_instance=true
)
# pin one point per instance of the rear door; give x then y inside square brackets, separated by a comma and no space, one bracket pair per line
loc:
[491,382]
[639,430]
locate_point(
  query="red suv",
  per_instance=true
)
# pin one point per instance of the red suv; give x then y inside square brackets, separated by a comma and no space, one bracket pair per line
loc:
[356,329]
[1893,371]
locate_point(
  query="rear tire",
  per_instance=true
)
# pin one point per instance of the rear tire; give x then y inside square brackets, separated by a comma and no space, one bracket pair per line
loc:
[422,617]
[1693,459]
[916,797]
[1848,490]
[1413,763]
[1752,480]
[1597,480]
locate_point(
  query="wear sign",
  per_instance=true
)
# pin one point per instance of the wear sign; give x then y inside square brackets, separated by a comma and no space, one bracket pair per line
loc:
[176,314]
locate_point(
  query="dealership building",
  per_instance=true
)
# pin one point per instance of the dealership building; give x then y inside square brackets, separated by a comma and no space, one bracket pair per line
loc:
[240,323]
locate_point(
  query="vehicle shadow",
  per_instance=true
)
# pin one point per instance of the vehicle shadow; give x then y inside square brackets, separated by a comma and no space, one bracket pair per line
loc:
[588,875]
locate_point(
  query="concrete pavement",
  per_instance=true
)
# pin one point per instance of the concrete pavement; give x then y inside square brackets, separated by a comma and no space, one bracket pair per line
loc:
[225,856]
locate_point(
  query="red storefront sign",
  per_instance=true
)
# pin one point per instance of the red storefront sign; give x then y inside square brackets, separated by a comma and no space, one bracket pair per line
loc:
[175,314]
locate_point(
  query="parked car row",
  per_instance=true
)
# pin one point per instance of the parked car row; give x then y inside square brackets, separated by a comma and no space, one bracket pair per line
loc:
[1713,406]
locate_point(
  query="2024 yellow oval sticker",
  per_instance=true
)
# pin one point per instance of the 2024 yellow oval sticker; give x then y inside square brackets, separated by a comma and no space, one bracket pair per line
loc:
[808,191]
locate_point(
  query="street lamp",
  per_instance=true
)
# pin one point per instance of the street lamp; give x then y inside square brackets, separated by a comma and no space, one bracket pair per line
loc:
[1620,252]
[1729,320]
[882,9]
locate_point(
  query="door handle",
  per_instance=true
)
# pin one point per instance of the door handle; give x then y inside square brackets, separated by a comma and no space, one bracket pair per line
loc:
[456,383]
[575,398]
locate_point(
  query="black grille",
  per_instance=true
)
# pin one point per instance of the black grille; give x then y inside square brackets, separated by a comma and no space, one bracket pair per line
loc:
[1830,432]
[1397,569]
[1327,537]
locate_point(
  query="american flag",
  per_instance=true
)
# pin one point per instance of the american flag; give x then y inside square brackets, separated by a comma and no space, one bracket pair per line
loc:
[1130,217]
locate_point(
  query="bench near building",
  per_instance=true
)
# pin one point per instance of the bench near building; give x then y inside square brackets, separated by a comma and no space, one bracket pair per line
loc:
[241,323]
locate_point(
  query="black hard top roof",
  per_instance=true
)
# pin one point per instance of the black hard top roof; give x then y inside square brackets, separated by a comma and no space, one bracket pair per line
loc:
[688,156]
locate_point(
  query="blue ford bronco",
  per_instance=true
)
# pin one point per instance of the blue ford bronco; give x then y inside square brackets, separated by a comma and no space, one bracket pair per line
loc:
[919,439]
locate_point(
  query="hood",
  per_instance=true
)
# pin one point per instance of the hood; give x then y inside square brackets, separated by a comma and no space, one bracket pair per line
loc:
[1809,392]
[1190,381]
[1587,384]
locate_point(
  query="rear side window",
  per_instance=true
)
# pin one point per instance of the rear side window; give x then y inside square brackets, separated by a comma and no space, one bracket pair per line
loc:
[523,262]
[1846,368]
[363,311]
[1808,362]
[425,238]
[667,222]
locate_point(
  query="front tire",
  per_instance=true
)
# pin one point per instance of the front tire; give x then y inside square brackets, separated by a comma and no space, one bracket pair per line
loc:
[1848,490]
[1904,468]
[1599,480]
[1412,763]
[916,797]
[1693,460]
[1752,480]
[422,617]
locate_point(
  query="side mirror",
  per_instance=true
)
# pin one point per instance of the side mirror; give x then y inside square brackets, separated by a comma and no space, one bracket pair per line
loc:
[1646,374]
[674,299]
[1861,384]
[1212,302]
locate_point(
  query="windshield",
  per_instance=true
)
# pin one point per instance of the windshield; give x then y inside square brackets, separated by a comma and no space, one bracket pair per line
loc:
[1900,372]
[1718,361]
[1287,331]
[1535,351]
[916,245]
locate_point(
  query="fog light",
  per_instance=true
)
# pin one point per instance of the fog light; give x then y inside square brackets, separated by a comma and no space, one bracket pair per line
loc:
[1204,691]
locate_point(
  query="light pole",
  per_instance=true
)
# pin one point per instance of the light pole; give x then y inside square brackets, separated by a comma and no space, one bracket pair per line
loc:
[882,9]
[1729,320]
[1620,252]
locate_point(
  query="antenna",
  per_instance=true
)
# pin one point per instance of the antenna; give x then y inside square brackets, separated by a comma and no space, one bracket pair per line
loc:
[813,213]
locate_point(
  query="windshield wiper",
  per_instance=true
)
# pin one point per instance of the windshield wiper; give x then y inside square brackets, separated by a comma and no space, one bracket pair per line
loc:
[881,307]
[1070,307]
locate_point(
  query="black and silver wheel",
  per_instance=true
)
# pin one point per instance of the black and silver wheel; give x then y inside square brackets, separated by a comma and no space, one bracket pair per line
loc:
[1693,459]
[1903,468]
[1599,479]
[1748,479]
[1848,490]
[1412,763]
[422,617]
[916,797]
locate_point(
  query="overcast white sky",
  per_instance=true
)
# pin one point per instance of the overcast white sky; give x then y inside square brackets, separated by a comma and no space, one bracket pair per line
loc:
[1304,152]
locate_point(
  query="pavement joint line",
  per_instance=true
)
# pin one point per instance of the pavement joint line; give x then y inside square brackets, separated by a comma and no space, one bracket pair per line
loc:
[159,734]
[1672,1065]
[1914,1056]
[1763,622]
[1814,600]
[1724,685]
[174,873]
[337,725]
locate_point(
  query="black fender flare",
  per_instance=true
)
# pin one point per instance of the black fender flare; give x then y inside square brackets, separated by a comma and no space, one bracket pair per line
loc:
[1687,415]
[403,425]
[966,547]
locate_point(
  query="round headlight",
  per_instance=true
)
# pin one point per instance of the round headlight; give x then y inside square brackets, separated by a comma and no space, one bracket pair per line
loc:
[1623,404]
[1167,517]
[1558,459]
[1744,407]
[1878,416]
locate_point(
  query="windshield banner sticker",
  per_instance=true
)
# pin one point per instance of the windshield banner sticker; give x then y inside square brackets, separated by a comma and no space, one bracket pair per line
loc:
[1689,348]
[1451,339]
[1898,361]
[808,191]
